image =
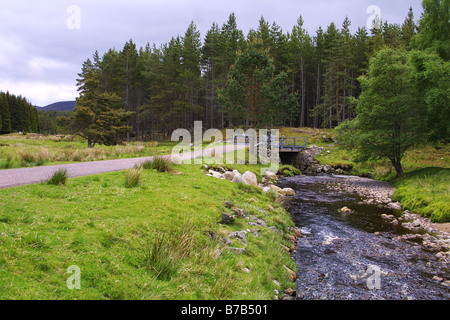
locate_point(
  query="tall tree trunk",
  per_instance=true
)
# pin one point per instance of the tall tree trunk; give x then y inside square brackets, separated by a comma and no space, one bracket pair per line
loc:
[303,91]
[318,85]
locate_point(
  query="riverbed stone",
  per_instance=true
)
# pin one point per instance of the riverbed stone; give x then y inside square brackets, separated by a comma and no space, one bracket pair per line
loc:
[275,188]
[269,175]
[229,175]
[394,205]
[251,178]
[239,179]
[266,189]
[287,192]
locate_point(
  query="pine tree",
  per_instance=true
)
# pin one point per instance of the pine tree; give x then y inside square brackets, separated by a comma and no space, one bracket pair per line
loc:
[253,93]
[213,65]
[190,75]
[4,115]
[99,116]
[300,55]
[337,61]
[409,29]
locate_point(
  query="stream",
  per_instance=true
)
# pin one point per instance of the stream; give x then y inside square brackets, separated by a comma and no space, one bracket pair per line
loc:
[356,256]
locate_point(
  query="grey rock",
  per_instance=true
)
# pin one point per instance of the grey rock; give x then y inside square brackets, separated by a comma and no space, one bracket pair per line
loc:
[237,250]
[239,179]
[229,175]
[227,218]
[240,213]
[394,206]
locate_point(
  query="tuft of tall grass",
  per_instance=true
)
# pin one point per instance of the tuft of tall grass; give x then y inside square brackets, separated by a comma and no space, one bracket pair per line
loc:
[159,163]
[163,255]
[133,177]
[8,163]
[27,156]
[58,178]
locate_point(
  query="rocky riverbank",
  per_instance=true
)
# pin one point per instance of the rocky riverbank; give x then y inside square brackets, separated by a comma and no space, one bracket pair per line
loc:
[347,226]
[419,230]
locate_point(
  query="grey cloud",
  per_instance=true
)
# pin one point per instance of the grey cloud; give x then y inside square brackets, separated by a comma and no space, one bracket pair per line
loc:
[38,48]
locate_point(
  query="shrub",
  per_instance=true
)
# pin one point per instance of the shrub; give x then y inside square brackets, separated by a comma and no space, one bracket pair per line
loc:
[133,177]
[59,177]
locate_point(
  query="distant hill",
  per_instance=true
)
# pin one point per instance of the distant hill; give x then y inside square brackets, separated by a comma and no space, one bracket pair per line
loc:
[59,106]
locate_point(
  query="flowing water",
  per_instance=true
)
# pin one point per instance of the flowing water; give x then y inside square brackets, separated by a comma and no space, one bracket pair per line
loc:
[356,256]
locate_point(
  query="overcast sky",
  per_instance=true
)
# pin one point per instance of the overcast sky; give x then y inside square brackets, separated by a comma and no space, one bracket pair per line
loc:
[43,43]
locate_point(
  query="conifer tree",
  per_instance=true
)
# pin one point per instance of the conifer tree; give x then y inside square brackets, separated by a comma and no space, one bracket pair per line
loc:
[5,125]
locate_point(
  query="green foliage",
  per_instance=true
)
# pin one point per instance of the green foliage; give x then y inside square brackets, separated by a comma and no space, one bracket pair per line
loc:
[389,118]
[58,178]
[434,28]
[17,114]
[254,89]
[431,79]
[100,118]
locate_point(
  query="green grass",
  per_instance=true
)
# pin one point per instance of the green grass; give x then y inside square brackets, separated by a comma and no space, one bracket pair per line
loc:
[17,151]
[159,240]
[427,192]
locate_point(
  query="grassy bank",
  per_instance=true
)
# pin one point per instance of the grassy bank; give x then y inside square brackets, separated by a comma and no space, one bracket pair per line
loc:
[423,190]
[17,151]
[160,238]
[427,192]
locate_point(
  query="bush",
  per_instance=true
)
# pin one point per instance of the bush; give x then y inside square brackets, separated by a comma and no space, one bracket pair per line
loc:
[59,177]
[133,177]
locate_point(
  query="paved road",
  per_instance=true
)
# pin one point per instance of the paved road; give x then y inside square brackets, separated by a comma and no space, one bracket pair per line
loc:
[25,176]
